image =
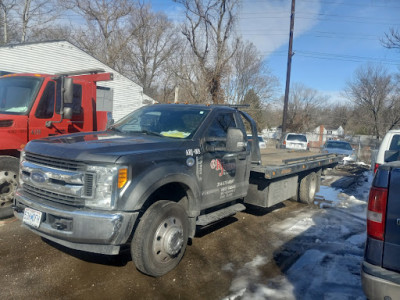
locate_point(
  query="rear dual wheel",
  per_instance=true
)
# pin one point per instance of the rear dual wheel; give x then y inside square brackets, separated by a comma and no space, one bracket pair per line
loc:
[308,188]
[160,239]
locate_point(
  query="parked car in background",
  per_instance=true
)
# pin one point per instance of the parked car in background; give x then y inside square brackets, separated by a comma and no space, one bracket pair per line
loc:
[340,147]
[389,149]
[295,141]
[380,270]
[262,144]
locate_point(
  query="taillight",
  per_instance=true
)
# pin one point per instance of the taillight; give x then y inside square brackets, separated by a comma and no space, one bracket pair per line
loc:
[376,214]
[376,167]
[284,142]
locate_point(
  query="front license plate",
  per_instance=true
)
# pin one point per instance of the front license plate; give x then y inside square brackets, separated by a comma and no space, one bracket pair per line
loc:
[32,217]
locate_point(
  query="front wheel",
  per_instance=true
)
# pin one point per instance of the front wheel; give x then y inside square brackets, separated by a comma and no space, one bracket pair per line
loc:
[8,184]
[160,238]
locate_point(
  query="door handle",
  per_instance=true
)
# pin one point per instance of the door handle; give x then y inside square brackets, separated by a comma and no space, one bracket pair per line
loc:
[242,156]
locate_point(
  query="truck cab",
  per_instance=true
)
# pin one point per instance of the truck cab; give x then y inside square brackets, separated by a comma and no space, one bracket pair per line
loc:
[32,106]
[191,160]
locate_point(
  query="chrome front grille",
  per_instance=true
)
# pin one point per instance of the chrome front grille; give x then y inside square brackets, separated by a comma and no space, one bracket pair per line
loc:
[43,196]
[56,180]
[64,164]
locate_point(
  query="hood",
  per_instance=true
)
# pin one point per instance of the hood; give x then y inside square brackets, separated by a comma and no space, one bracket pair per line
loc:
[15,121]
[105,146]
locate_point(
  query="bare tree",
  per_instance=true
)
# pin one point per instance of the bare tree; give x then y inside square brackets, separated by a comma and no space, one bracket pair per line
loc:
[248,71]
[6,7]
[35,14]
[107,32]
[391,39]
[209,29]
[370,90]
[336,115]
[304,105]
[154,42]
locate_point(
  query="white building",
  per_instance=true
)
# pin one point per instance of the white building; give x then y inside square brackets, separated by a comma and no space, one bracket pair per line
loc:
[321,134]
[62,57]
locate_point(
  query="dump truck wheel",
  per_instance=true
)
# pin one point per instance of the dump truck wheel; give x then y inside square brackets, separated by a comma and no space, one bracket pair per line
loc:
[160,238]
[8,184]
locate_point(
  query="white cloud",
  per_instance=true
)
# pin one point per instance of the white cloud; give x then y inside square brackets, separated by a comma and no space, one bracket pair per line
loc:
[266,24]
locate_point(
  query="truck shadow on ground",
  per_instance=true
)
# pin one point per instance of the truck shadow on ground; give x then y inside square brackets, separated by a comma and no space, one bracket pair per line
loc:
[250,209]
[208,229]
[120,260]
[259,211]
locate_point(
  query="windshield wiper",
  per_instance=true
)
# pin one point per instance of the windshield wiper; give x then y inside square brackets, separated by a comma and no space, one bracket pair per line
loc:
[150,132]
[114,128]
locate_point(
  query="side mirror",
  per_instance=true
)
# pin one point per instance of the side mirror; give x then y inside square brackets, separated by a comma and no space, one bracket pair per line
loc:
[235,140]
[68,90]
[68,113]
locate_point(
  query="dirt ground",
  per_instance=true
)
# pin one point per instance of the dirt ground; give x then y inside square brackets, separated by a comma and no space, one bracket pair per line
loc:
[34,268]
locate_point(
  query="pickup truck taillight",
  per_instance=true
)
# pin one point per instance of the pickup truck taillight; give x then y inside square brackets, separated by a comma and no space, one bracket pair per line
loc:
[376,167]
[376,214]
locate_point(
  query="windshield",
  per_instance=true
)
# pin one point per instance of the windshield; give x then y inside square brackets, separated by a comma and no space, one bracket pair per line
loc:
[339,145]
[176,121]
[297,137]
[17,94]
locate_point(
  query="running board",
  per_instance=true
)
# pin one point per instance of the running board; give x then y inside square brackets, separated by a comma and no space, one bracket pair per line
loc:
[219,214]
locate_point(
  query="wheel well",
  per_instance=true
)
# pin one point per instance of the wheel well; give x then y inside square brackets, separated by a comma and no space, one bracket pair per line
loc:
[176,192]
[14,153]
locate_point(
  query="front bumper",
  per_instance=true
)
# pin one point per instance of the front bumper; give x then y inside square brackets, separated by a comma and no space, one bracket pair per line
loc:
[81,229]
[379,283]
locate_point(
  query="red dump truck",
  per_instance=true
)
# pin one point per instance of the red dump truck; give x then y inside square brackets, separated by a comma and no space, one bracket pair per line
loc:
[34,106]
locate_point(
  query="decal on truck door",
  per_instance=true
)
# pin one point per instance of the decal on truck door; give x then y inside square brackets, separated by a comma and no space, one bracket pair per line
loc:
[223,173]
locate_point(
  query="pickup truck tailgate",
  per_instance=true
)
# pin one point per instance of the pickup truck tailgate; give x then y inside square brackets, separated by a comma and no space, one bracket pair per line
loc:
[391,247]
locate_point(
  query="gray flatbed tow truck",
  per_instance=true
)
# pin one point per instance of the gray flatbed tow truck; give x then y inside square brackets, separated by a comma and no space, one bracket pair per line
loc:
[153,178]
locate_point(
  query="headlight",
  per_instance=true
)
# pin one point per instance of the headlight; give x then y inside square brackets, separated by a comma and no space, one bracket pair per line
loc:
[21,160]
[109,181]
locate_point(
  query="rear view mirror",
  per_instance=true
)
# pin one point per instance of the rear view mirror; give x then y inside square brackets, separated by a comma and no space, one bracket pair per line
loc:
[67,113]
[235,140]
[68,90]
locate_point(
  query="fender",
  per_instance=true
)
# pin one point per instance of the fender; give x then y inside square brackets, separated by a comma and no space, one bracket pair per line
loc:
[146,183]
[11,141]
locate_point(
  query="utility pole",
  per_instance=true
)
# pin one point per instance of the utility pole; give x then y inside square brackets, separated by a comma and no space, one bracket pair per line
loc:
[176,99]
[289,67]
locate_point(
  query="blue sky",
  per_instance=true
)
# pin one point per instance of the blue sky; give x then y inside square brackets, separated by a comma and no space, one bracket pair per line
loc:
[332,37]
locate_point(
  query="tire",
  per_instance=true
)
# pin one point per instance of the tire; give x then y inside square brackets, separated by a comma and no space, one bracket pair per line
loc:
[160,238]
[308,188]
[9,169]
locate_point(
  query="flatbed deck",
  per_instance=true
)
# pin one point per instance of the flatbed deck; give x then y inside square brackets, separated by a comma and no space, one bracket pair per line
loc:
[277,157]
[281,162]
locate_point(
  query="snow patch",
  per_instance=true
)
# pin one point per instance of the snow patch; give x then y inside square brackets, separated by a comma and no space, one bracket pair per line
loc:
[330,243]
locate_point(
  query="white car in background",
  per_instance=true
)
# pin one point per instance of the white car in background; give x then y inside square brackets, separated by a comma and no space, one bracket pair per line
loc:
[294,141]
[389,149]
[261,141]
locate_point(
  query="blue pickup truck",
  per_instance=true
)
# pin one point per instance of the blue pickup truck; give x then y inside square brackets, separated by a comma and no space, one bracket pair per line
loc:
[380,270]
